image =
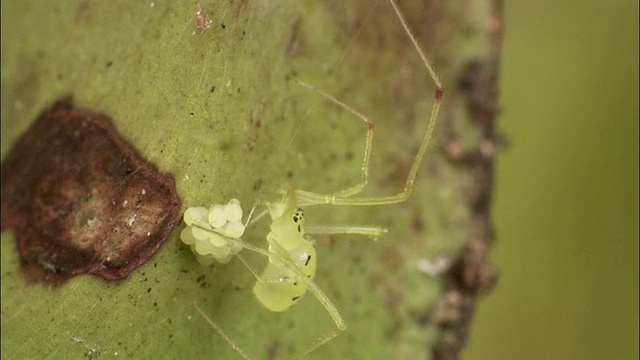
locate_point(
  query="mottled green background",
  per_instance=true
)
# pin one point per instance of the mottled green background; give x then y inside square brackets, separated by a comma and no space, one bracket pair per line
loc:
[566,205]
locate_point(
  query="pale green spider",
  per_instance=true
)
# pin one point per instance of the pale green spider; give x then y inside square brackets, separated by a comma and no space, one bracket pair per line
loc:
[215,234]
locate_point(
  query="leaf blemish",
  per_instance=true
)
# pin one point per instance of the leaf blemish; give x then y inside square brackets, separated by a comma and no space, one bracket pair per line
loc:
[81,199]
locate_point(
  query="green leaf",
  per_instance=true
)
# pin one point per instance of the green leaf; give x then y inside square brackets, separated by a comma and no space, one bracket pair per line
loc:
[220,110]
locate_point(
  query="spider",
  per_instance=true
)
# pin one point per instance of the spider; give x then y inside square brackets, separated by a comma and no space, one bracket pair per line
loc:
[215,233]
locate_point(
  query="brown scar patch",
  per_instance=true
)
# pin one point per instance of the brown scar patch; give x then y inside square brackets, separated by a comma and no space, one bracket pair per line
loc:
[82,200]
[202,21]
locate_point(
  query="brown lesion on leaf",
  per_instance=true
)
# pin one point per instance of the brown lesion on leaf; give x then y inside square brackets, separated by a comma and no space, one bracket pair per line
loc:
[296,41]
[202,21]
[81,199]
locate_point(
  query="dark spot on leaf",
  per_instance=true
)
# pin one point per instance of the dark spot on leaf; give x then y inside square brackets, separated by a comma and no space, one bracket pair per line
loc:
[257,186]
[82,200]
[349,156]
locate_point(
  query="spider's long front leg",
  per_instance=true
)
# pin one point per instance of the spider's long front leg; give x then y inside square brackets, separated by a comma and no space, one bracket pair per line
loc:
[344,197]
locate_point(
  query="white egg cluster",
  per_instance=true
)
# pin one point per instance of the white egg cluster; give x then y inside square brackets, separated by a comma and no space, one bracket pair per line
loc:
[210,232]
